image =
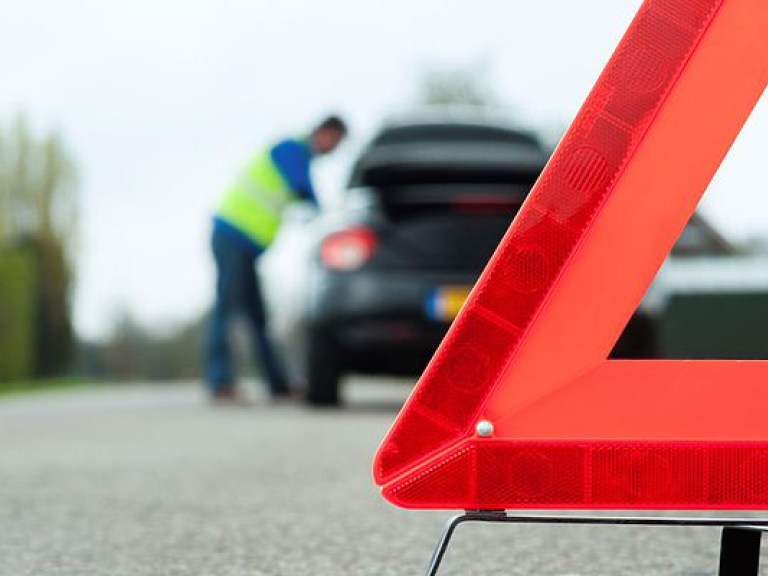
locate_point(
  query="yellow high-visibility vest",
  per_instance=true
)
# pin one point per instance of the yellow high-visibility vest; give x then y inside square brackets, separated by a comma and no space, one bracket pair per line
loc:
[254,203]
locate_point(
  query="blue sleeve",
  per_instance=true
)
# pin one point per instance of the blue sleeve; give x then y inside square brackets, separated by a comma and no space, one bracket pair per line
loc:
[292,158]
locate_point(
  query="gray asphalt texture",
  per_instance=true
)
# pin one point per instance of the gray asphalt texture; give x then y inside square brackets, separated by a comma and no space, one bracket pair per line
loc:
[142,480]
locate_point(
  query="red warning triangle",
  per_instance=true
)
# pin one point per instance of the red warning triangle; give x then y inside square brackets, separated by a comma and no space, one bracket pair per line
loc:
[519,407]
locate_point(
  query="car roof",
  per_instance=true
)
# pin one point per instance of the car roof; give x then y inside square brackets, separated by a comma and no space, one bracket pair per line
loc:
[435,130]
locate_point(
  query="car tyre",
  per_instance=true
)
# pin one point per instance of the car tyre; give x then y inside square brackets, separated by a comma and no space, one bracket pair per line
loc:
[324,371]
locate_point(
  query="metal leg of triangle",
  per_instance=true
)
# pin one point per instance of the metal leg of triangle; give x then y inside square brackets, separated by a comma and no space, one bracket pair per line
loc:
[740,552]
[450,528]
[740,542]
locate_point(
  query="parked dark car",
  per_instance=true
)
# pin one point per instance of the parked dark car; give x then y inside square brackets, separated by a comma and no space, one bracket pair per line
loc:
[427,204]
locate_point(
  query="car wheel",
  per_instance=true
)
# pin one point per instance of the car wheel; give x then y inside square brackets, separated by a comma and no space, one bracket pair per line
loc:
[324,370]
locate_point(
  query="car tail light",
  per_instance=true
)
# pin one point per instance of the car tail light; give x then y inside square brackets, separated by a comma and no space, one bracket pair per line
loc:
[348,249]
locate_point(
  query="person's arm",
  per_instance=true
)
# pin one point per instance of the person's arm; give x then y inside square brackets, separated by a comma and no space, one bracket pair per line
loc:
[292,158]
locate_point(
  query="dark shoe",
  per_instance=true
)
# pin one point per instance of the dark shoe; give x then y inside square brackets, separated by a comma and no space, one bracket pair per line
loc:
[283,396]
[225,396]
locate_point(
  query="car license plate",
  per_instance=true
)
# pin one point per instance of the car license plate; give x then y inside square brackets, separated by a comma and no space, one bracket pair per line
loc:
[445,302]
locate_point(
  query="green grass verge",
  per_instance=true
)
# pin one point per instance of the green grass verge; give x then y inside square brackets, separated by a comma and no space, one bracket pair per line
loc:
[13,388]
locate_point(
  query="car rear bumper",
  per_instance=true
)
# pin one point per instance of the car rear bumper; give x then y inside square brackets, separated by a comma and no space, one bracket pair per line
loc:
[382,320]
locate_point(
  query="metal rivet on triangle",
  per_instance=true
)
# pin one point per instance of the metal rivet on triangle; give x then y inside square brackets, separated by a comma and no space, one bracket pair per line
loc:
[484,429]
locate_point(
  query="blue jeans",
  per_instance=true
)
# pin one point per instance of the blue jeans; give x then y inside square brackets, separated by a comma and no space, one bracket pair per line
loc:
[238,292]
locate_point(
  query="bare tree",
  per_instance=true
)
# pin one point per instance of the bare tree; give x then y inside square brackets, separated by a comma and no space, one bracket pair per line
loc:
[37,187]
[457,87]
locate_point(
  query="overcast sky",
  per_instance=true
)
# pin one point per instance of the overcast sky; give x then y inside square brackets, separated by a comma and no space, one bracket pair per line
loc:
[161,101]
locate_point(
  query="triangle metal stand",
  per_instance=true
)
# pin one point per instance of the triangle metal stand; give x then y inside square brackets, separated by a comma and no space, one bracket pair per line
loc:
[739,544]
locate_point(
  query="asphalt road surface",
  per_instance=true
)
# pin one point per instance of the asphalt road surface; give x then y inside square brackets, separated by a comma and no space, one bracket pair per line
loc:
[150,480]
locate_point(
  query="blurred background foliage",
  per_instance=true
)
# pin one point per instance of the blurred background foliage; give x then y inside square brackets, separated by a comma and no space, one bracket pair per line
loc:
[39,238]
[135,352]
[17,315]
[465,87]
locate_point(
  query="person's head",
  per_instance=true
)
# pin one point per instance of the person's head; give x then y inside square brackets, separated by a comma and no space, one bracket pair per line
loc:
[327,135]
